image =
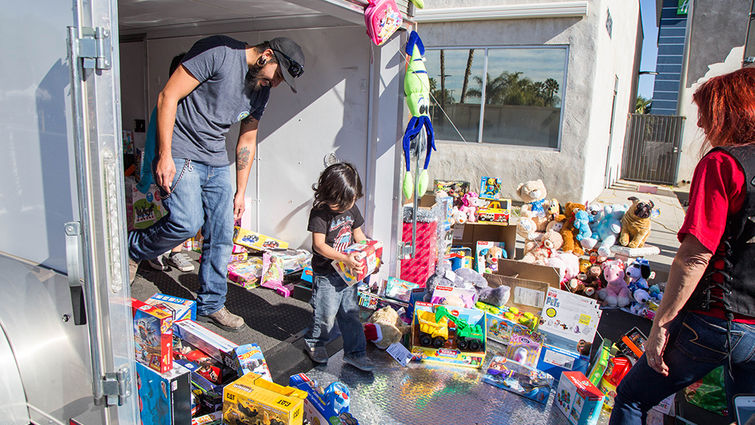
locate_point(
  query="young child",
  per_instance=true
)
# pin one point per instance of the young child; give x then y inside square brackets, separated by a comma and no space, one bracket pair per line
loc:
[335,223]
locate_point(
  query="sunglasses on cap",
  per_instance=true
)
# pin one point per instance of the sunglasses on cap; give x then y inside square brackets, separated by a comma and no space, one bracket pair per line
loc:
[294,68]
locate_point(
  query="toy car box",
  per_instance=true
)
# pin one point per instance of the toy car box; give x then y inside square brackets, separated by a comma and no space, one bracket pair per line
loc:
[153,336]
[182,308]
[456,336]
[207,341]
[252,399]
[578,399]
[317,409]
[209,395]
[165,398]
[370,254]
[254,240]
[525,381]
[215,418]
[249,358]
[495,212]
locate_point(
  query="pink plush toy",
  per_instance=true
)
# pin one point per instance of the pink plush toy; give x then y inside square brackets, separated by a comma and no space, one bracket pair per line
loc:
[616,292]
[566,263]
[469,206]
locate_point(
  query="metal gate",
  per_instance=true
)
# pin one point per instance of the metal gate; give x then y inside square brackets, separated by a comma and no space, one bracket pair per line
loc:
[651,148]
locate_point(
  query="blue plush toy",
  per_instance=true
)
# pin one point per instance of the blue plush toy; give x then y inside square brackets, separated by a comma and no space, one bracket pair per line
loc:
[609,227]
[582,223]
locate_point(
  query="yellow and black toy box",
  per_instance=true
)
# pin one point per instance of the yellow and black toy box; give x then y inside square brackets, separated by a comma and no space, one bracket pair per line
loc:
[252,400]
[448,335]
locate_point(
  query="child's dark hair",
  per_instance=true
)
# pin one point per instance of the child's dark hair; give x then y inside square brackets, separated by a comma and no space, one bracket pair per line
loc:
[339,185]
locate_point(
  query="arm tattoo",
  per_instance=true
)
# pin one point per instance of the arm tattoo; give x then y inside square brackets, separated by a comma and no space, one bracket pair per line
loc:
[242,158]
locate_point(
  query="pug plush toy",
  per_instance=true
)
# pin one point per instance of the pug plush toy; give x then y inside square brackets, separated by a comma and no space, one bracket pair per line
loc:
[635,225]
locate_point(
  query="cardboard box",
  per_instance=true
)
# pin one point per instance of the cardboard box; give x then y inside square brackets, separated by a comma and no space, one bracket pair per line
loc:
[208,394]
[251,397]
[477,232]
[500,329]
[578,399]
[525,381]
[496,212]
[447,331]
[254,240]
[529,283]
[569,321]
[165,398]
[180,307]
[153,336]
[487,254]
[142,209]
[555,361]
[369,255]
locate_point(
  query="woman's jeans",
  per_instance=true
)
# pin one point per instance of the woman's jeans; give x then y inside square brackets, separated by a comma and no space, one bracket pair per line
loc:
[201,197]
[333,300]
[697,344]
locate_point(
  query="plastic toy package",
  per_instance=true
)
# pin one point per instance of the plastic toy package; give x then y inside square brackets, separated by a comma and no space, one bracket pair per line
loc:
[524,348]
[525,381]
[324,405]
[370,254]
[153,336]
[448,335]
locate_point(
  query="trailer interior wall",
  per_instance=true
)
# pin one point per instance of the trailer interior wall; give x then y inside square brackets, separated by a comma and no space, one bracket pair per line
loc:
[332,112]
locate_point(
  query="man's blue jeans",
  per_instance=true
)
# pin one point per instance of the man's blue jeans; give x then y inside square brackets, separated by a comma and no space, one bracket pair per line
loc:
[697,344]
[333,300]
[201,197]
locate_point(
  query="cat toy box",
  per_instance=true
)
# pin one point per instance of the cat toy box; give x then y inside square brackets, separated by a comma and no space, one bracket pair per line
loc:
[165,398]
[578,399]
[448,335]
[253,399]
[180,307]
[369,254]
[525,381]
[153,336]
[255,240]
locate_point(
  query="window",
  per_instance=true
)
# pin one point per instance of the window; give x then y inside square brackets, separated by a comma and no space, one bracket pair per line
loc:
[522,87]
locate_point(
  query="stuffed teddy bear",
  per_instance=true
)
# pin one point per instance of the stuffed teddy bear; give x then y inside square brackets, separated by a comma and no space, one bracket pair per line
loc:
[591,280]
[385,327]
[537,252]
[533,194]
[569,232]
[616,293]
[527,228]
[458,216]
[582,223]
[635,224]
[609,227]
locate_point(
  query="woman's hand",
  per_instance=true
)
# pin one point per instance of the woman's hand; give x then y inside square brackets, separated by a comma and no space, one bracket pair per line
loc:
[654,348]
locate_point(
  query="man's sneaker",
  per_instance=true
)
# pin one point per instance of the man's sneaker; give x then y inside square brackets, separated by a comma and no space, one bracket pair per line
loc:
[224,319]
[159,263]
[362,362]
[318,354]
[180,261]
[133,266]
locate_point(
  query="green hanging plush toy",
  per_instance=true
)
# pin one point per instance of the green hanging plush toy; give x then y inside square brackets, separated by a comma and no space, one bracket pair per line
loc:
[417,91]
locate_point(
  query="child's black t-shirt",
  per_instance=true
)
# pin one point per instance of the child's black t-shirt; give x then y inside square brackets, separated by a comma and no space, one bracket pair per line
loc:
[337,228]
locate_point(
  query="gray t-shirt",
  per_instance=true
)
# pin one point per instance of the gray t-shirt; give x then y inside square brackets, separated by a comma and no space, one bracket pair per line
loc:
[222,98]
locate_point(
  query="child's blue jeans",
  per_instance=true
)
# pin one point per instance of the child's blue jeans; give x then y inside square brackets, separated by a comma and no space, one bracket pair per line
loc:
[333,300]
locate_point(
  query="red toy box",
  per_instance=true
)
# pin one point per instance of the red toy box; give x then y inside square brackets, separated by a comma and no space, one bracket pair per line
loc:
[153,336]
[422,266]
[370,254]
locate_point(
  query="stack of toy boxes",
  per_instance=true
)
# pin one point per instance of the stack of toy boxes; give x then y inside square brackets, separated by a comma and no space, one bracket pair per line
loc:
[153,336]
[209,395]
[454,335]
[568,323]
[251,398]
[181,308]
[369,254]
[419,268]
[165,398]
[578,399]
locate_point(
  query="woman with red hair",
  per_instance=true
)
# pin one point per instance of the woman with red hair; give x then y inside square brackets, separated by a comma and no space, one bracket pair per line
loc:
[707,316]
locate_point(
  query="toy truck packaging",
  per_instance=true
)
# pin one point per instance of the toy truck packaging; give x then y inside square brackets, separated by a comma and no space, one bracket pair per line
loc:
[153,336]
[252,400]
[329,406]
[578,399]
[448,335]
[526,381]
[165,398]
[254,240]
[369,253]
[181,308]
[215,418]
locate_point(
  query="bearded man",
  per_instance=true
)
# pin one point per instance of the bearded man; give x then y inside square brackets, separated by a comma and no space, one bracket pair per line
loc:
[221,81]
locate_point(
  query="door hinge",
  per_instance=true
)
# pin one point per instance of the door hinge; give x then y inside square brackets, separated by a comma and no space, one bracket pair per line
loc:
[116,387]
[92,47]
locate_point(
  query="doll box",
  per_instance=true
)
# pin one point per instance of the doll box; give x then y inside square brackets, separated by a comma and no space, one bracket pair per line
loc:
[252,395]
[165,397]
[153,336]
[578,399]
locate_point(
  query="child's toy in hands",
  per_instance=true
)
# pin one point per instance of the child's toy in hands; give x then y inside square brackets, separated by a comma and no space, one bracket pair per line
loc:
[368,254]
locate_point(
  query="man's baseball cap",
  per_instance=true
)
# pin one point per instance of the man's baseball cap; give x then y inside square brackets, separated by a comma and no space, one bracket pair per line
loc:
[290,59]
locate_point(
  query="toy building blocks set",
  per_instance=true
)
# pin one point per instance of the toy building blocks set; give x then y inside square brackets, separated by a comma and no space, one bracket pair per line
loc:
[448,335]
[252,399]
[369,254]
[153,336]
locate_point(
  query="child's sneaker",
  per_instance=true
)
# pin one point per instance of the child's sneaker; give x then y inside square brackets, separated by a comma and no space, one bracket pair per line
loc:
[159,263]
[180,261]
[362,362]
[318,354]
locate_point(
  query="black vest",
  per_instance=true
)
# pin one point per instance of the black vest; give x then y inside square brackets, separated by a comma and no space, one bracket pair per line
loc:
[729,280]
